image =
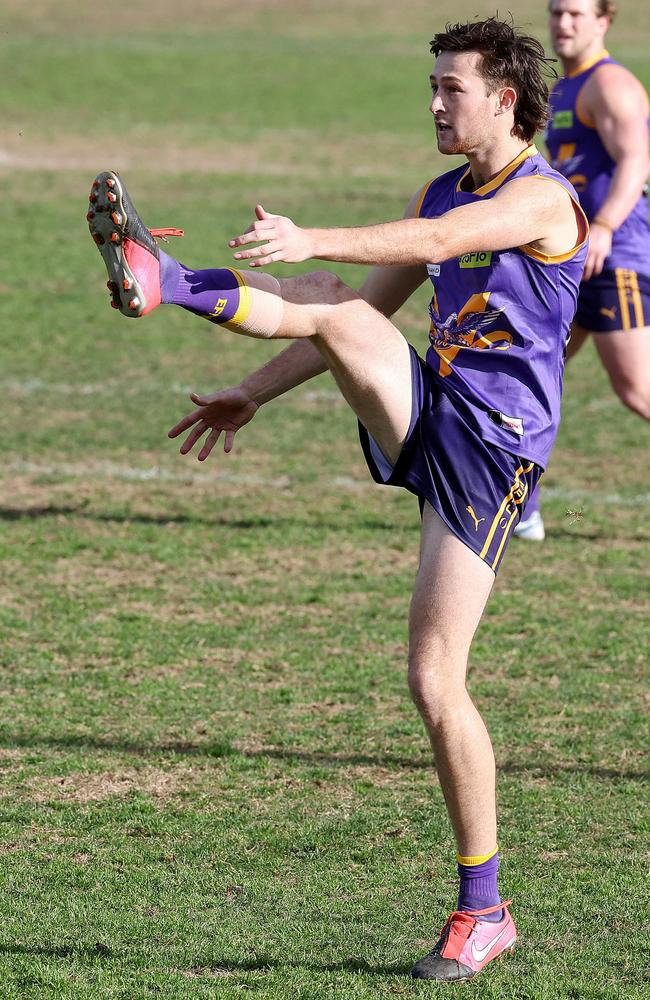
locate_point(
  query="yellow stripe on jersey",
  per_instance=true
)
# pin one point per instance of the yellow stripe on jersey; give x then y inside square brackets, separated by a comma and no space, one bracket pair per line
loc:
[502,176]
[420,201]
[603,54]
[583,233]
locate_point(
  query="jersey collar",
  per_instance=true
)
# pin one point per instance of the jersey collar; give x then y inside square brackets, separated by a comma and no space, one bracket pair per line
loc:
[603,54]
[530,150]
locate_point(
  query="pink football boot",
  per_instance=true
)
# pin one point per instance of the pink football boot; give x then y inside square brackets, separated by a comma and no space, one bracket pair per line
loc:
[129,249]
[467,944]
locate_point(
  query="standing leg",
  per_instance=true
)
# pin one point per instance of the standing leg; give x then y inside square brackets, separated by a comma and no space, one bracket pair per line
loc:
[451,590]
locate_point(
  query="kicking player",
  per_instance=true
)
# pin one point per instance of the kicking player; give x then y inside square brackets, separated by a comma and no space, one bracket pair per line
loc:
[468,430]
[598,138]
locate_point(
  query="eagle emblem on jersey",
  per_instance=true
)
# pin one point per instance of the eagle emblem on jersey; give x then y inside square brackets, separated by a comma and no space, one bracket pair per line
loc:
[569,165]
[465,330]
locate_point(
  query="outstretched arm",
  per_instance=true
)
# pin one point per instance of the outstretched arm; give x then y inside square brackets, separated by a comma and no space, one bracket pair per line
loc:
[226,411]
[531,210]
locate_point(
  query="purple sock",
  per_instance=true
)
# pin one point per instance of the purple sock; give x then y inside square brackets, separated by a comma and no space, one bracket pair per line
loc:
[213,293]
[478,887]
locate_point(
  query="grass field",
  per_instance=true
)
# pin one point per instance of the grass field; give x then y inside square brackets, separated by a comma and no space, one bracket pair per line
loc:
[213,781]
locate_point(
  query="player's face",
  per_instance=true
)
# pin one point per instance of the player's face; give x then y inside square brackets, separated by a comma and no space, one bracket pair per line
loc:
[575,27]
[460,104]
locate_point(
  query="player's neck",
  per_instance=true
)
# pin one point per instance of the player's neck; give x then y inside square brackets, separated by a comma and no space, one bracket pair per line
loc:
[586,58]
[485,165]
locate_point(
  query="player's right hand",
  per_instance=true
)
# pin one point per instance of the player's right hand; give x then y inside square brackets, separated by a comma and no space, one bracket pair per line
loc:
[226,410]
[279,237]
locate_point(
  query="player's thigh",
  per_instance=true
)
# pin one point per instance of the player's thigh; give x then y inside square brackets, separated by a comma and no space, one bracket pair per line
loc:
[625,354]
[371,363]
[451,590]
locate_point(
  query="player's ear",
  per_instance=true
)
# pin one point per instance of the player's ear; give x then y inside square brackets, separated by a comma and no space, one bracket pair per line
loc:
[506,100]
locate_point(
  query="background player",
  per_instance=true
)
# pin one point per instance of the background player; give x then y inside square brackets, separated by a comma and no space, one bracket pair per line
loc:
[598,138]
[445,428]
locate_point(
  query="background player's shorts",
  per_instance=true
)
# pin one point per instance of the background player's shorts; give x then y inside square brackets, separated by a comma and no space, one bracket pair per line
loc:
[479,490]
[614,300]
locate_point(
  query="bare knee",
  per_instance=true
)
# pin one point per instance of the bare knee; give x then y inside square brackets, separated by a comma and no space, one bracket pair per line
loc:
[436,679]
[317,288]
[633,395]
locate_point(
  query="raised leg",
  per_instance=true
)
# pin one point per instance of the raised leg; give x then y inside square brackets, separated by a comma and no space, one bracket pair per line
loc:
[368,356]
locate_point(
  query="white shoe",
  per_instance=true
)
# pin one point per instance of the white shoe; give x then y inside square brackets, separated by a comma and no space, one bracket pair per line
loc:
[531,529]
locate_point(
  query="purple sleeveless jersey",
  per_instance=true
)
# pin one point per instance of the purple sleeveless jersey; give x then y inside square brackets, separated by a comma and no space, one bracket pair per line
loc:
[578,153]
[500,319]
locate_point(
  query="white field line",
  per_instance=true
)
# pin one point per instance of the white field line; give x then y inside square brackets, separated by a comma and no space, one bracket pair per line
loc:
[158,474]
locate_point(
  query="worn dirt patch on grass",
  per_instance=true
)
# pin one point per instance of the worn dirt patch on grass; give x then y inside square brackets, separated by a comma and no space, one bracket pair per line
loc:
[303,154]
[160,785]
[66,18]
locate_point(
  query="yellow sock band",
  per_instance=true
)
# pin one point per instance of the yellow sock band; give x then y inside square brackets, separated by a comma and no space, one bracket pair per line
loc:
[260,309]
[477,859]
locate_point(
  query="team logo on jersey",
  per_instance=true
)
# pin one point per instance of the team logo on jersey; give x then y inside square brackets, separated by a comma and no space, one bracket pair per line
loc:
[568,165]
[515,424]
[465,330]
[563,119]
[480,259]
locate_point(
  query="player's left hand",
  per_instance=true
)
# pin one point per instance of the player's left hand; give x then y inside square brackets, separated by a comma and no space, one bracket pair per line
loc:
[600,247]
[280,239]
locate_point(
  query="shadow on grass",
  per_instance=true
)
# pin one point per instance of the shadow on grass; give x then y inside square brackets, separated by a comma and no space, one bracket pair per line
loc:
[208,750]
[262,964]
[564,534]
[38,513]
[125,517]
[212,967]
[219,750]
[57,951]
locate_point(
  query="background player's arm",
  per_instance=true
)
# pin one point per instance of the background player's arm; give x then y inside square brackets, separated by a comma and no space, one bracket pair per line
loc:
[617,104]
[531,210]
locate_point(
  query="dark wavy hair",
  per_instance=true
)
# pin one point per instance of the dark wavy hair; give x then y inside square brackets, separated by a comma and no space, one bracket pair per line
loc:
[509,59]
[606,8]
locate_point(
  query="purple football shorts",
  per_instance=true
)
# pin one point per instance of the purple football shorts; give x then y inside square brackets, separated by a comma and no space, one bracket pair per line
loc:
[479,490]
[614,300]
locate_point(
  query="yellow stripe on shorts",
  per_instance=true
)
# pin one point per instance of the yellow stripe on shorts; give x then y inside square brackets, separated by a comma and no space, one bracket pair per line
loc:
[621,284]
